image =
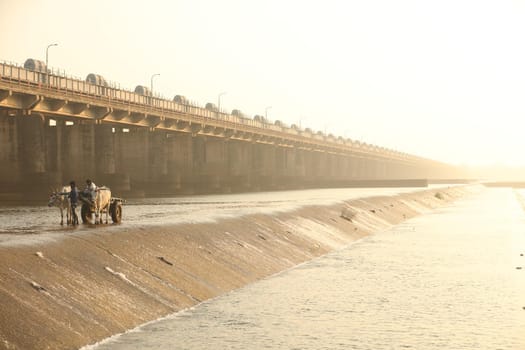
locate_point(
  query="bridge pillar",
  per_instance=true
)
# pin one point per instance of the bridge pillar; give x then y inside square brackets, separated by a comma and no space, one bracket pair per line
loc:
[309,168]
[180,163]
[105,149]
[353,165]
[10,159]
[158,179]
[370,164]
[256,165]
[326,170]
[279,167]
[158,156]
[108,163]
[425,171]
[39,160]
[408,171]
[387,169]
[317,168]
[361,168]
[264,166]
[132,158]
[346,169]
[334,174]
[381,169]
[341,170]
[391,170]
[31,132]
[371,168]
[54,150]
[400,170]
[240,157]
[300,168]
[285,167]
[211,164]
[78,151]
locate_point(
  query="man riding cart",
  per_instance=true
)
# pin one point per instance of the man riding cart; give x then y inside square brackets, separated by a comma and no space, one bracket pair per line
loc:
[97,200]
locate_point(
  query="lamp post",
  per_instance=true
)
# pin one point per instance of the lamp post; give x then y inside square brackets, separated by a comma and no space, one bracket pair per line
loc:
[266,112]
[219,102]
[326,125]
[151,81]
[47,52]
[47,59]
[300,120]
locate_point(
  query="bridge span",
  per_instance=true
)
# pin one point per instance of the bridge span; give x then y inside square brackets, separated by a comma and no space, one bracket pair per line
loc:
[54,128]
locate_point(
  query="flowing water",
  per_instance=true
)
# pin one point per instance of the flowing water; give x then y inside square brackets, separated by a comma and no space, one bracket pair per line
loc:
[451,279]
[33,224]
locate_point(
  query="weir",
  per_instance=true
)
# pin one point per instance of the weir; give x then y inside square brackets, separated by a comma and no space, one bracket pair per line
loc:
[82,286]
[54,129]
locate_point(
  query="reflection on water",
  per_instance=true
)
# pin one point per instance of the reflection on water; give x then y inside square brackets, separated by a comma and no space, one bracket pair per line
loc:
[18,221]
[447,280]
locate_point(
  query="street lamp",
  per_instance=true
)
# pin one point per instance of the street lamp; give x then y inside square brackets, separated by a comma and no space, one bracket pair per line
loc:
[219,102]
[47,60]
[300,120]
[266,112]
[47,52]
[325,126]
[151,85]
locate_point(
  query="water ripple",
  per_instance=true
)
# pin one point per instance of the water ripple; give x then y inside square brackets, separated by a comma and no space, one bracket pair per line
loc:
[442,281]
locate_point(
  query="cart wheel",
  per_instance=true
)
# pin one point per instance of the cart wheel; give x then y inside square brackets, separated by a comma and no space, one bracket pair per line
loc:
[86,214]
[116,212]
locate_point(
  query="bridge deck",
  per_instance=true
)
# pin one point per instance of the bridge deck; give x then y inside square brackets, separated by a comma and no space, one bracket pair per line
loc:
[57,95]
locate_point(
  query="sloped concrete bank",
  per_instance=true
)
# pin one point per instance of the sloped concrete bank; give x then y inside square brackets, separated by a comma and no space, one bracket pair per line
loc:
[85,287]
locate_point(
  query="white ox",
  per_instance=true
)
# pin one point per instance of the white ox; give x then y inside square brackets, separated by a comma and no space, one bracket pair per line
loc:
[102,203]
[61,201]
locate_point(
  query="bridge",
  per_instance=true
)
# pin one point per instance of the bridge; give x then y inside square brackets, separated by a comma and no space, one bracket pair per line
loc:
[54,128]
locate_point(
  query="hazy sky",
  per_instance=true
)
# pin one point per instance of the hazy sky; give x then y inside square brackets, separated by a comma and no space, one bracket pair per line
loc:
[439,79]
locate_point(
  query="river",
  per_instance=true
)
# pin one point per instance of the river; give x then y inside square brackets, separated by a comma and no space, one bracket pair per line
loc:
[452,279]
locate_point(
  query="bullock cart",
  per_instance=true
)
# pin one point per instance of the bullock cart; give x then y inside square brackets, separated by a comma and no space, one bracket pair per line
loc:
[113,207]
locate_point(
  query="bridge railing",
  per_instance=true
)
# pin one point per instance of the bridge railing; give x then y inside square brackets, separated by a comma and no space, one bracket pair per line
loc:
[71,86]
[51,81]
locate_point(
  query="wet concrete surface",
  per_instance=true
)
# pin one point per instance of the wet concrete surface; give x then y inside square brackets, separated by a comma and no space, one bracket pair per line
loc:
[37,222]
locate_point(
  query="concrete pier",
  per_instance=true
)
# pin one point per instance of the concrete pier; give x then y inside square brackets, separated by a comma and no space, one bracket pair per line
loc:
[38,151]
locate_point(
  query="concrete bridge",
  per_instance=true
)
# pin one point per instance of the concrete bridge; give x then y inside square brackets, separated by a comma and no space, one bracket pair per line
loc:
[54,128]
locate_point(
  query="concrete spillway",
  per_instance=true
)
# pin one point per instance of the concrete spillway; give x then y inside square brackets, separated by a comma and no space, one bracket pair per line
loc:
[80,288]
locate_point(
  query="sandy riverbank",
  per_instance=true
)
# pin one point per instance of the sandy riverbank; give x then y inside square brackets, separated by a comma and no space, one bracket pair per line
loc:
[78,290]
